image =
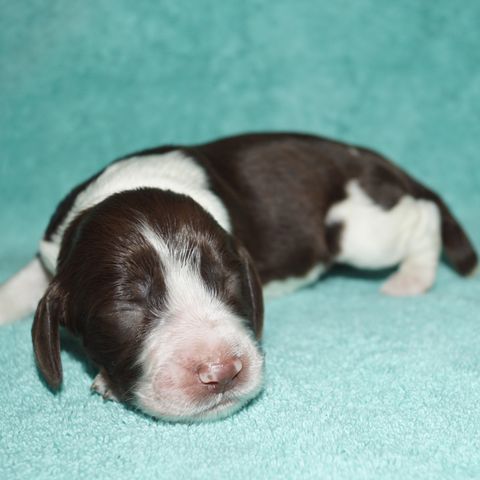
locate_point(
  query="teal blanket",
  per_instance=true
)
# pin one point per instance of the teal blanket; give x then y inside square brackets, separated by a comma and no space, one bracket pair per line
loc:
[358,385]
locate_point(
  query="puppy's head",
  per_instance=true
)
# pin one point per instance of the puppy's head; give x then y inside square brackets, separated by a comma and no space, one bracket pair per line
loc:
[166,302]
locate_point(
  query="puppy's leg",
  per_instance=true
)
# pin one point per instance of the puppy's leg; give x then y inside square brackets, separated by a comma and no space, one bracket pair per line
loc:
[20,294]
[417,270]
[374,237]
[101,386]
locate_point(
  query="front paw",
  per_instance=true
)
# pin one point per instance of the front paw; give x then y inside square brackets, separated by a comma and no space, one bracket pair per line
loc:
[101,386]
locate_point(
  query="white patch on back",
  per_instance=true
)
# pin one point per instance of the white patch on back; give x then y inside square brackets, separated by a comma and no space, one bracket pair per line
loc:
[372,237]
[196,326]
[173,171]
[277,288]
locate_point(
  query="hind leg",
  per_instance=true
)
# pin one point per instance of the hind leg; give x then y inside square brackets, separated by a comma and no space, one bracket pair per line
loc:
[418,268]
[407,234]
[415,276]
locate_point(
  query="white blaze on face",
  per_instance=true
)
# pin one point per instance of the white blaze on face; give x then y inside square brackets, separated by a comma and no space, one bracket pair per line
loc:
[196,328]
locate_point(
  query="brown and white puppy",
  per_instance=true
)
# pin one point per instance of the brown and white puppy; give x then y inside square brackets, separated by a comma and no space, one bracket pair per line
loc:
[158,261]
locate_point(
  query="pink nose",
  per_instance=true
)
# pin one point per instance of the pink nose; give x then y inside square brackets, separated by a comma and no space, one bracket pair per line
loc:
[220,374]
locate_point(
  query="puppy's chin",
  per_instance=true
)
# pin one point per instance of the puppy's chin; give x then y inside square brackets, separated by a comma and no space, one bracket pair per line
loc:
[196,372]
[218,409]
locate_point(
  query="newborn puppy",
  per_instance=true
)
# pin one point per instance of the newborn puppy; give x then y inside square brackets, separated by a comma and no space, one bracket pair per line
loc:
[158,261]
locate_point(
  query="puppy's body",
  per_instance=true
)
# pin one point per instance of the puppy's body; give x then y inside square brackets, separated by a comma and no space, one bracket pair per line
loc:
[167,225]
[291,199]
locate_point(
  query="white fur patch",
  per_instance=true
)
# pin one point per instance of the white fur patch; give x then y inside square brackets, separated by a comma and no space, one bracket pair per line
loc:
[372,237]
[195,328]
[20,294]
[101,386]
[277,288]
[49,251]
[172,171]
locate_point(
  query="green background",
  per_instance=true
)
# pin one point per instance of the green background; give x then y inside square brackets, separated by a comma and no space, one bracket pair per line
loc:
[358,385]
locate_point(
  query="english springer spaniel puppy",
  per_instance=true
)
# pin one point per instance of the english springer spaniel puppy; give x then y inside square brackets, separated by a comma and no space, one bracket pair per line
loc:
[158,261]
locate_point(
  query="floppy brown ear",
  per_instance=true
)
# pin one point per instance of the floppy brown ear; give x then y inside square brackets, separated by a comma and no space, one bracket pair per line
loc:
[46,335]
[253,287]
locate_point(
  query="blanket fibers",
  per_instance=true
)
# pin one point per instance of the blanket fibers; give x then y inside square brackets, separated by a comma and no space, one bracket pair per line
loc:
[358,386]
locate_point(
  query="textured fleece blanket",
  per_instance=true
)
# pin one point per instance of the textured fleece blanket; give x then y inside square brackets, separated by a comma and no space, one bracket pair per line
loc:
[358,386]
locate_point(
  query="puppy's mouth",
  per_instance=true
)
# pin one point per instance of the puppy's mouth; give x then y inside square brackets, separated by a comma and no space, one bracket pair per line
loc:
[223,407]
[182,388]
[219,407]
[185,410]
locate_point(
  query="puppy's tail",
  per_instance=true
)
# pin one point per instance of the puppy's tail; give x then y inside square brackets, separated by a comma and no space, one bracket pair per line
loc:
[20,294]
[457,246]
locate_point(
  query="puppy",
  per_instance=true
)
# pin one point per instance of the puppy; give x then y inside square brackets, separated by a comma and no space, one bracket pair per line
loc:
[158,261]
